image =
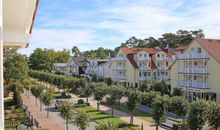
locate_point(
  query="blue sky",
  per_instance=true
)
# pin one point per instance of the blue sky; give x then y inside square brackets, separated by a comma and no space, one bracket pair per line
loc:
[90,24]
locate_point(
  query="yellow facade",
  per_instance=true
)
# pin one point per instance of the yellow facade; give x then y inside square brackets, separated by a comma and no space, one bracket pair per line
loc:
[197,73]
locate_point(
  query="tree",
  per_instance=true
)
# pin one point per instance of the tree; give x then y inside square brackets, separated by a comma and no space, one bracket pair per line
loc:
[15,66]
[115,94]
[161,87]
[144,87]
[159,107]
[196,114]
[133,100]
[47,97]
[82,120]
[88,92]
[179,105]
[65,110]
[213,114]
[177,92]
[100,90]
[76,51]
[107,126]
[17,100]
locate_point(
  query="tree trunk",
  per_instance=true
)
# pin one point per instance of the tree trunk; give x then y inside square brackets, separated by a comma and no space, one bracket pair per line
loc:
[28,93]
[156,126]
[98,105]
[87,100]
[112,111]
[40,106]
[131,120]
[66,124]
[47,111]
[35,102]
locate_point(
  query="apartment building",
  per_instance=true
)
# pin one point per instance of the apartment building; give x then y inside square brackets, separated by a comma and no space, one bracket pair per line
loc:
[197,70]
[94,65]
[132,66]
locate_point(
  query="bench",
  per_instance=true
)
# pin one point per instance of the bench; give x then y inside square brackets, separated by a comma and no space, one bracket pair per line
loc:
[168,123]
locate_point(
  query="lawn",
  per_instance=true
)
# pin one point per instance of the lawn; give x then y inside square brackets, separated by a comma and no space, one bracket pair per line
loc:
[101,117]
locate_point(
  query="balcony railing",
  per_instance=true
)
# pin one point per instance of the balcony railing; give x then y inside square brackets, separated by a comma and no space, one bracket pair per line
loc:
[194,84]
[161,78]
[163,58]
[143,58]
[144,67]
[193,56]
[119,58]
[194,70]
[120,68]
[145,78]
[163,67]
[119,77]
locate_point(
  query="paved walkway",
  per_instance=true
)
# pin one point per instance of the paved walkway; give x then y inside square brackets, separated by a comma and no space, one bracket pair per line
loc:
[53,122]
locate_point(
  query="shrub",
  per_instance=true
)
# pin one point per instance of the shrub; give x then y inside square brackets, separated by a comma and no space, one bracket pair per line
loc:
[79,105]
[63,94]
[17,101]
[80,101]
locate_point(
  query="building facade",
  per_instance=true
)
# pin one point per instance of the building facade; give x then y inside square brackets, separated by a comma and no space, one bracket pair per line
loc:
[132,66]
[59,67]
[197,70]
[76,66]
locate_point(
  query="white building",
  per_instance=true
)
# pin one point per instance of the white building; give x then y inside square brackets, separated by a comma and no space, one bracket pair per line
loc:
[59,67]
[16,23]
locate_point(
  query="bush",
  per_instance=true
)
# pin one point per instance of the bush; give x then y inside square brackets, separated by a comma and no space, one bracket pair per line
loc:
[17,101]
[79,105]
[63,94]
[80,101]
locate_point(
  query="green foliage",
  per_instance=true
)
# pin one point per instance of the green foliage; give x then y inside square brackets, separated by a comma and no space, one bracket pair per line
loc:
[17,100]
[161,87]
[75,51]
[80,101]
[42,59]
[177,92]
[213,114]
[178,105]
[82,120]
[65,110]
[99,91]
[108,81]
[148,97]
[196,114]
[106,126]
[144,87]
[94,78]
[159,106]
[15,84]
[100,52]
[15,66]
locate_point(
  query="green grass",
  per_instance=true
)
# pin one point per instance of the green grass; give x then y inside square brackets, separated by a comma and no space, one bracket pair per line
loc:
[101,117]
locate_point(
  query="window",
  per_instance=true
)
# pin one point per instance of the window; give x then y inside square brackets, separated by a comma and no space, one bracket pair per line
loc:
[158,55]
[140,55]
[145,74]
[166,73]
[139,64]
[199,50]
[162,55]
[166,63]
[145,55]
[148,73]
[194,77]
[139,74]
[193,49]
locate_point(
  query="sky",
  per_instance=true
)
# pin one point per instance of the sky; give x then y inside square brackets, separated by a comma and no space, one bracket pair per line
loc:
[90,24]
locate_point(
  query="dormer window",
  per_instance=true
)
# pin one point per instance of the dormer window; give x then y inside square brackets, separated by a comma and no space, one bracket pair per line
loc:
[145,55]
[140,55]
[158,55]
[199,50]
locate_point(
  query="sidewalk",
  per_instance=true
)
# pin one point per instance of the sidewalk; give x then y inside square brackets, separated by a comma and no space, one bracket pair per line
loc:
[40,116]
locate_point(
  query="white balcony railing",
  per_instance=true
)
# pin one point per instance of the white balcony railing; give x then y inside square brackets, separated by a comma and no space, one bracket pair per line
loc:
[143,58]
[145,78]
[161,78]
[144,67]
[194,70]
[119,58]
[193,56]
[119,77]
[163,67]
[162,58]
[120,68]
[194,84]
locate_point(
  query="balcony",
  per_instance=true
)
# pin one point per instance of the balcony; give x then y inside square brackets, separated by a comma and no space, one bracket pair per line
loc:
[163,58]
[163,67]
[193,56]
[144,68]
[161,78]
[194,70]
[122,68]
[143,58]
[145,78]
[119,77]
[119,58]
[194,84]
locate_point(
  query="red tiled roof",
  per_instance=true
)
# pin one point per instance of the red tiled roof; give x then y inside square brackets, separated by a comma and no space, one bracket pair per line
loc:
[131,59]
[212,46]
[180,48]
[149,50]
